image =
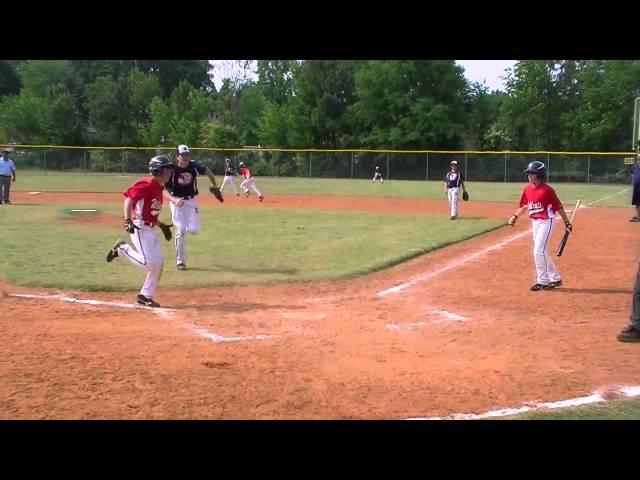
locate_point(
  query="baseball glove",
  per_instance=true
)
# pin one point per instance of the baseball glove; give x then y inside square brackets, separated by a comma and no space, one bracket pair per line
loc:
[216,193]
[512,220]
[465,196]
[129,226]
[166,230]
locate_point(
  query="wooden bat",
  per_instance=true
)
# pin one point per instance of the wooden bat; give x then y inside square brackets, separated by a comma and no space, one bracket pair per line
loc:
[565,237]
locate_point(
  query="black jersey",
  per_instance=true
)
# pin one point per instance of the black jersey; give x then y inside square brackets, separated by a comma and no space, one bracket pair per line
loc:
[183,181]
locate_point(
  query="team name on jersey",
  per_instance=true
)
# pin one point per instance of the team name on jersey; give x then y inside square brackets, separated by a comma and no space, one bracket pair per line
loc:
[534,207]
[156,206]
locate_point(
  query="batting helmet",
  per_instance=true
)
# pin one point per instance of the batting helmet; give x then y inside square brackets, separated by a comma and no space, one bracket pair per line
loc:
[241,164]
[537,168]
[158,163]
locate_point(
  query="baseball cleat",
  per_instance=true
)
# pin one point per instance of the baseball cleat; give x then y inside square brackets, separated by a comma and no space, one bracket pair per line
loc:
[113,253]
[539,286]
[261,197]
[556,284]
[146,302]
[181,266]
[237,194]
[635,219]
[629,334]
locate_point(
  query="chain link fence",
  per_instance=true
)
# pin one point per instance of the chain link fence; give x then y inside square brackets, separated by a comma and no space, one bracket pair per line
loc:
[488,167]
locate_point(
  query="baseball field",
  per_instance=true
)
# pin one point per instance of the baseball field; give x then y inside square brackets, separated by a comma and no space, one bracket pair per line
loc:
[337,299]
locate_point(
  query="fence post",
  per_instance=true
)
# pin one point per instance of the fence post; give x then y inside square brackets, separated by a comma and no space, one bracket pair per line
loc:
[352,165]
[387,166]
[466,170]
[505,167]
[85,161]
[548,167]
[588,168]
[427,166]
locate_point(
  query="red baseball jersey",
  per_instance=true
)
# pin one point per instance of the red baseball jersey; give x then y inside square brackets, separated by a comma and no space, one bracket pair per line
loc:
[244,171]
[542,201]
[147,199]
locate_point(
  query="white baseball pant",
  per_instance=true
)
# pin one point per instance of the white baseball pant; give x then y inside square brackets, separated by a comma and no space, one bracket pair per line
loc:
[453,193]
[250,182]
[229,179]
[186,219]
[147,255]
[545,268]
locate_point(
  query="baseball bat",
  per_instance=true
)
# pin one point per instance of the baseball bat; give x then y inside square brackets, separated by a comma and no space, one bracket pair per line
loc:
[565,237]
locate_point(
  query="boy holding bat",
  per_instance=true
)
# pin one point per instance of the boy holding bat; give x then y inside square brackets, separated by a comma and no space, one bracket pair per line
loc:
[542,203]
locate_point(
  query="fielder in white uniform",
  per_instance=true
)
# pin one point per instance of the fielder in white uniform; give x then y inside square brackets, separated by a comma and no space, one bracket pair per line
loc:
[377,175]
[181,190]
[453,182]
[229,173]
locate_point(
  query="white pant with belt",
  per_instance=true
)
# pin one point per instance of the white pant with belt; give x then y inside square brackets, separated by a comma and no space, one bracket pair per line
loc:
[545,268]
[147,255]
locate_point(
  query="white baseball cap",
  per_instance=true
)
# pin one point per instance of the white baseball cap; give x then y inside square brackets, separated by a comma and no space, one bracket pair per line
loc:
[182,149]
[454,162]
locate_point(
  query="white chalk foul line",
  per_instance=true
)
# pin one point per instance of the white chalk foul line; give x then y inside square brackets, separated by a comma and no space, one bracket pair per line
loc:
[62,298]
[452,265]
[609,196]
[629,391]
[163,312]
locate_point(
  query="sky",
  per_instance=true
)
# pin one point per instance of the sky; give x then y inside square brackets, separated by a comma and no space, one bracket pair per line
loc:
[488,71]
[483,71]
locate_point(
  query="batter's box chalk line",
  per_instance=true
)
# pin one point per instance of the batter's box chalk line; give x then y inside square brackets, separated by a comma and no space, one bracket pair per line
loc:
[600,396]
[166,313]
[450,266]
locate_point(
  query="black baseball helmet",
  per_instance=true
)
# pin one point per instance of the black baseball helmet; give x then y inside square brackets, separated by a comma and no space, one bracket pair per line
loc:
[159,162]
[536,167]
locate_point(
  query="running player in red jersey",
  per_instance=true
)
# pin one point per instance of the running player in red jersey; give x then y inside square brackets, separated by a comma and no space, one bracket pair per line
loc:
[541,201]
[144,199]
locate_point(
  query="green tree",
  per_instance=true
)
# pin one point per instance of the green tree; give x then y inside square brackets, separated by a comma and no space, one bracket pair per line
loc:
[219,136]
[409,104]
[251,106]
[181,118]
[602,115]
[37,76]
[275,78]
[9,79]
[273,126]
[197,73]
[324,90]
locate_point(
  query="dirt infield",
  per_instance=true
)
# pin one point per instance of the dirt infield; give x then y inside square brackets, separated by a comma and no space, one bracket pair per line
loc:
[461,333]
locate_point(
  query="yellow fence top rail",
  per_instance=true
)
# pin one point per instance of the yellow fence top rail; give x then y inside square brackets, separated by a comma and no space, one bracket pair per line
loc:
[318,150]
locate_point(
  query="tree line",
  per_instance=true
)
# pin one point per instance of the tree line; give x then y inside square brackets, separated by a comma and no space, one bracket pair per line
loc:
[383,104]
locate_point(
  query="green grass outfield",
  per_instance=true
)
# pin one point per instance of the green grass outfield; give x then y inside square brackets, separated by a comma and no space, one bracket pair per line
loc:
[492,191]
[235,246]
[620,409]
